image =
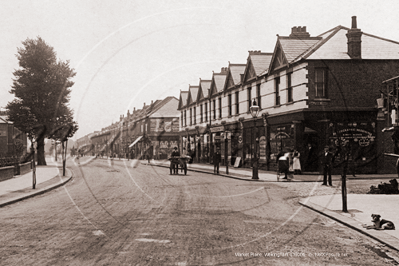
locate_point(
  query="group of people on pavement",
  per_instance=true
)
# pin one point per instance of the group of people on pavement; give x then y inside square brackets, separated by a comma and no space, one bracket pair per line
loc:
[288,163]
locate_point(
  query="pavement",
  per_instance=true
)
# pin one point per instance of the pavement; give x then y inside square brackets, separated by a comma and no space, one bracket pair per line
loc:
[360,206]
[48,177]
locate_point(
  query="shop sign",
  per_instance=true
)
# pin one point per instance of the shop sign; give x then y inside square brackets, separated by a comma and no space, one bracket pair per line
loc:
[217,129]
[363,137]
[282,135]
[317,103]
[164,144]
[262,148]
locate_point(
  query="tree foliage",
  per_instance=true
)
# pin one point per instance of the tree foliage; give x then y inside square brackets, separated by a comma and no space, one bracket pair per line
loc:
[41,86]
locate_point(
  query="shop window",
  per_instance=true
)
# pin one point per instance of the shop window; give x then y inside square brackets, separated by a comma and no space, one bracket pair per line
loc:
[289,88]
[320,82]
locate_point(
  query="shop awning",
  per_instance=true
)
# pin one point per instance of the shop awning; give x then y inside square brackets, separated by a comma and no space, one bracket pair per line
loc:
[134,142]
[309,130]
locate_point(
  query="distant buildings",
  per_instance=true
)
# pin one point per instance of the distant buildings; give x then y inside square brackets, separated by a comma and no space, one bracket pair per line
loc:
[151,131]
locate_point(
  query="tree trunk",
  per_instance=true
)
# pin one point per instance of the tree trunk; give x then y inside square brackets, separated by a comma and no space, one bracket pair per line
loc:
[41,160]
[64,151]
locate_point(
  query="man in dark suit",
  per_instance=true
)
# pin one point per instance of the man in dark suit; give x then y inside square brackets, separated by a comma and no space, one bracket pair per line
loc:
[327,159]
[216,161]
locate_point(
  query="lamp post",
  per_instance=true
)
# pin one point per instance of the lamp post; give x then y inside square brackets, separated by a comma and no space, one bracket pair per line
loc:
[33,148]
[254,112]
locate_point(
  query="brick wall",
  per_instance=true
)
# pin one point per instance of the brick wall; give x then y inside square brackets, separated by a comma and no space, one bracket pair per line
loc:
[353,83]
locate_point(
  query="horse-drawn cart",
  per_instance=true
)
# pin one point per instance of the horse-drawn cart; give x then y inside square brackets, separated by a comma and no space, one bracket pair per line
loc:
[178,162]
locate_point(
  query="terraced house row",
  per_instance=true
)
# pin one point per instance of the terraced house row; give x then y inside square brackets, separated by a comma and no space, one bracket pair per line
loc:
[312,91]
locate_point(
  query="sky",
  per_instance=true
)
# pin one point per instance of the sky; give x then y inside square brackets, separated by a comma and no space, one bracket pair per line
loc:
[130,52]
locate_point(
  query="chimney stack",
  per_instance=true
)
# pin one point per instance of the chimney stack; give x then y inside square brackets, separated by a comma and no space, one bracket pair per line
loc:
[354,36]
[299,32]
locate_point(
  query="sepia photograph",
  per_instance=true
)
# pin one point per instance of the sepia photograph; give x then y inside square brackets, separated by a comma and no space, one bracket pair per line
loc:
[213,132]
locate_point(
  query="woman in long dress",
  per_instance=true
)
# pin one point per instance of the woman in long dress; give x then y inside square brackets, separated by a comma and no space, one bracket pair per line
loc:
[296,163]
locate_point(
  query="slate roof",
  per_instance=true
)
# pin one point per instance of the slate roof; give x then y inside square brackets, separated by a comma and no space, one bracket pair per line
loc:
[166,107]
[218,80]
[293,48]
[261,62]
[193,93]
[235,71]
[183,99]
[373,47]
[204,87]
[333,45]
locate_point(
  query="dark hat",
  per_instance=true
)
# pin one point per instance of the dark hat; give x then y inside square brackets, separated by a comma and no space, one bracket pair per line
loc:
[175,148]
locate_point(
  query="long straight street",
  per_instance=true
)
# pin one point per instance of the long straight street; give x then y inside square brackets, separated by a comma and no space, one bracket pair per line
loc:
[114,214]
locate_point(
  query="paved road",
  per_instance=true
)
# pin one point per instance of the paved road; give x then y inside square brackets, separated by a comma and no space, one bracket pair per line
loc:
[119,215]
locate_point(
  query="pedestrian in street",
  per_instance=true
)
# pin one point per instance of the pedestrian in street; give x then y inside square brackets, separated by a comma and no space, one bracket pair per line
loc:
[296,163]
[290,159]
[327,159]
[184,153]
[283,164]
[216,161]
[174,162]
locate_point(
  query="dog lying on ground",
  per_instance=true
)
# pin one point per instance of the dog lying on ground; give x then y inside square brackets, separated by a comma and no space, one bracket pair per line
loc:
[380,224]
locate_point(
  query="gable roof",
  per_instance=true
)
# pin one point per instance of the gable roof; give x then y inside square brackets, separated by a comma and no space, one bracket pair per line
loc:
[257,64]
[165,108]
[203,91]
[234,75]
[192,94]
[332,45]
[218,81]
[182,99]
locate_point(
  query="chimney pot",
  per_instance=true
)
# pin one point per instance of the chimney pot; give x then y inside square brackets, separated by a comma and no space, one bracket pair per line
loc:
[354,22]
[293,30]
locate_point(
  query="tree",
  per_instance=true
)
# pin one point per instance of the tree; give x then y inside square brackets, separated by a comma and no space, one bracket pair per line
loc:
[64,129]
[41,87]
